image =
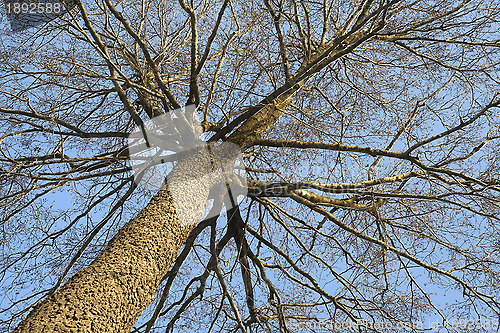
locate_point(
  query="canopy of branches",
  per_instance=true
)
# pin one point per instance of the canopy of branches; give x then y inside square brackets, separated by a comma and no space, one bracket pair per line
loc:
[369,132]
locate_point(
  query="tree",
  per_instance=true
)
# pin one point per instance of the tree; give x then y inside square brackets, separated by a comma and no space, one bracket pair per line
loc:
[369,131]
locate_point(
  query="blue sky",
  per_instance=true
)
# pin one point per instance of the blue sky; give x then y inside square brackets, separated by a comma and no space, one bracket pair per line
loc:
[60,203]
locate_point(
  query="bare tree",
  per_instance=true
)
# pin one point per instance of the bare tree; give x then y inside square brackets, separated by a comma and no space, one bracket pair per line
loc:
[370,137]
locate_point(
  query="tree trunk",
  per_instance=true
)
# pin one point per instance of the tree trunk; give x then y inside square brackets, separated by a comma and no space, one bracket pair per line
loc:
[111,293]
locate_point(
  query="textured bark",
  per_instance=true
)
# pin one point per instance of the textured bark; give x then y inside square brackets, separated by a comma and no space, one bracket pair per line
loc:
[110,294]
